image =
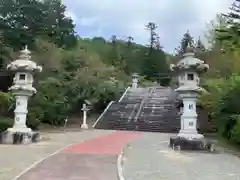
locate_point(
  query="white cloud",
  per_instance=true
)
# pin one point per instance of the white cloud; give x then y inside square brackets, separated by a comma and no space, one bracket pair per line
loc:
[88,21]
[128,17]
[72,16]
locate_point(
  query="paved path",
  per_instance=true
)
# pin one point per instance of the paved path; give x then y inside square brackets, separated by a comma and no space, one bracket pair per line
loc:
[92,159]
[148,157]
[16,158]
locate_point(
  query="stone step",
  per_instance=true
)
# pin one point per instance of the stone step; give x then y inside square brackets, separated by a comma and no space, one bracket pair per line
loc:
[157,113]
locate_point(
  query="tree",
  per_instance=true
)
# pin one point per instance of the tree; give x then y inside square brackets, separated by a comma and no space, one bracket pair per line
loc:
[127,58]
[113,54]
[231,31]
[58,26]
[151,27]
[158,44]
[199,45]
[186,41]
[24,20]
[213,32]
[5,52]
[20,21]
[221,55]
[129,40]
[155,59]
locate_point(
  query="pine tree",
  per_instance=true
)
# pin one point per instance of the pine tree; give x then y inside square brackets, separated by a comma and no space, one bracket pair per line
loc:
[129,40]
[151,27]
[113,54]
[126,56]
[158,44]
[231,32]
[199,45]
[155,61]
[187,41]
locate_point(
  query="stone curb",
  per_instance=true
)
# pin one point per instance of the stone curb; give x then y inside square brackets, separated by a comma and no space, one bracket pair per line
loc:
[120,165]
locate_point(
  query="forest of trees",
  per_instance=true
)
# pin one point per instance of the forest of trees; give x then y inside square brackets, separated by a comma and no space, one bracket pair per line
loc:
[99,69]
[74,68]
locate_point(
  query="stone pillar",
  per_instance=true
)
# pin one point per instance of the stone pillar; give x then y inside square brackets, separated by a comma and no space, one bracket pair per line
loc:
[21,113]
[134,80]
[84,109]
[189,117]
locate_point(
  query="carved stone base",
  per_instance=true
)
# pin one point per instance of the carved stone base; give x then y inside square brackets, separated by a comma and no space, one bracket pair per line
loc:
[191,144]
[21,129]
[7,137]
[84,126]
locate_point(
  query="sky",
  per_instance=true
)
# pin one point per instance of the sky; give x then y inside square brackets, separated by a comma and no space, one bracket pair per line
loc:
[125,18]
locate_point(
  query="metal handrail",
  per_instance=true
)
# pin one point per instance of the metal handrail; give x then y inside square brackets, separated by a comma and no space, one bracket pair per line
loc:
[151,90]
[139,110]
[105,110]
[124,94]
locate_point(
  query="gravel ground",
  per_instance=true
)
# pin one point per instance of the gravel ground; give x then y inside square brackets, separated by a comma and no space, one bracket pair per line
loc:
[148,157]
[16,158]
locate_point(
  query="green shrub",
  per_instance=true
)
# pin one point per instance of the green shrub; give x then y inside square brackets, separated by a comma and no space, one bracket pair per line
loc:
[33,124]
[224,106]
[6,101]
[235,132]
[5,123]
[35,114]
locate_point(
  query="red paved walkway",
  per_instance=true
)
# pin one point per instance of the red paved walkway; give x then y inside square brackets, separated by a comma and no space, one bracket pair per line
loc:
[93,159]
[107,144]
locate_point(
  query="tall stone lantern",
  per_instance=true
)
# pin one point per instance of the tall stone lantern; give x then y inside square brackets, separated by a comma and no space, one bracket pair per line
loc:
[188,70]
[134,80]
[22,89]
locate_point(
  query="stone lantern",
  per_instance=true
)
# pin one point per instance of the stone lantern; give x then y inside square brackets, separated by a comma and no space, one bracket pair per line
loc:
[134,80]
[85,109]
[22,89]
[188,70]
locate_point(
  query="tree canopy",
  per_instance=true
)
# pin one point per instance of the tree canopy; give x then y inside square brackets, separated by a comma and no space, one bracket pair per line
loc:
[75,68]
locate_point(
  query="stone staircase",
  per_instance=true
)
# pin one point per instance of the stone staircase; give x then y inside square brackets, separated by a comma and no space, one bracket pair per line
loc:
[159,112]
[142,109]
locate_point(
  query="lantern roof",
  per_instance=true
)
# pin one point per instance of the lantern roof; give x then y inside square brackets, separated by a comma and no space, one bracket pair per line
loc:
[24,62]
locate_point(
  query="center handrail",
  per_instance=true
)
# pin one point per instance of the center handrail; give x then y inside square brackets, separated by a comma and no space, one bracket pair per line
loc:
[151,90]
[139,110]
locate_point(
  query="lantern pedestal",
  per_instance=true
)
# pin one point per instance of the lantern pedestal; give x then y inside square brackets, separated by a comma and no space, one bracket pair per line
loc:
[21,110]
[199,143]
[19,136]
[84,126]
[188,137]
